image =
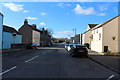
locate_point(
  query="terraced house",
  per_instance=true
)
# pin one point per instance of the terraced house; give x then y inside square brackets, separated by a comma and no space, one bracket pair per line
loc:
[86,36]
[30,34]
[106,36]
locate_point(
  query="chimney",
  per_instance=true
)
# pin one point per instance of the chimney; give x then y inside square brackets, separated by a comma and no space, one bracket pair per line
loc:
[25,22]
[34,26]
[43,29]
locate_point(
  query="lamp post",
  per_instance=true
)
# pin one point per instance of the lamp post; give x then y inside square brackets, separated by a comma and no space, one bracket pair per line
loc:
[74,30]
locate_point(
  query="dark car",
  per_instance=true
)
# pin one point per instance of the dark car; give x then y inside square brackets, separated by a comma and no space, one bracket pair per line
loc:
[32,46]
[79,50]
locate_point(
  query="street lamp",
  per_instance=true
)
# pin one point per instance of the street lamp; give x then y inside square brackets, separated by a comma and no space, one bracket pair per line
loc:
[74,30]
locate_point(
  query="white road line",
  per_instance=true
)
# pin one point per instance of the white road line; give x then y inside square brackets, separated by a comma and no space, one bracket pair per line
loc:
[110,77]
[8,70]
[31,58]
[46,52]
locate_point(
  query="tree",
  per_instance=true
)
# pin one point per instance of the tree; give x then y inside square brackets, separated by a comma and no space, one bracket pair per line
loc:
[50,31]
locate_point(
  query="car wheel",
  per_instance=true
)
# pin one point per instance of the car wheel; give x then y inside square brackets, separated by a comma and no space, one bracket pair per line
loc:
[86,56]
[73,54]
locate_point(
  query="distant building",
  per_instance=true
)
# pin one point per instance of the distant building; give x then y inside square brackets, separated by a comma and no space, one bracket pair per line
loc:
[10,36]
[30,34]
[1,29]
[86,36]
[77,39]
[45,38]
[106,36]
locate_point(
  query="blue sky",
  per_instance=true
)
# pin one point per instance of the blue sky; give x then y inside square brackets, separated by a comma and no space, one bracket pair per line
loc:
[61,17]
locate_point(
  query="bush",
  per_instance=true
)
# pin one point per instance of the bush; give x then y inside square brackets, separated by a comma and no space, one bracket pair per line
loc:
[87,45]
[108,52]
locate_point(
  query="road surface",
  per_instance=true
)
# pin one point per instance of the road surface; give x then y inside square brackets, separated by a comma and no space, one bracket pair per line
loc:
[52,62]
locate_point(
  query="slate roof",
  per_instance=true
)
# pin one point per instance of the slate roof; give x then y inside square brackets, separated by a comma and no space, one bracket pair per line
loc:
[9,29]
[92,25]
[1,14]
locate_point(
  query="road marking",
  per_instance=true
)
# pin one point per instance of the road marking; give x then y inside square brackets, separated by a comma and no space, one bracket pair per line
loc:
[31,58]
[110,77]
[8,70]
[46,52]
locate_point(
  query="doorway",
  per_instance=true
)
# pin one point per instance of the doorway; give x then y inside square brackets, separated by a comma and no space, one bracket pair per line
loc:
[105,48]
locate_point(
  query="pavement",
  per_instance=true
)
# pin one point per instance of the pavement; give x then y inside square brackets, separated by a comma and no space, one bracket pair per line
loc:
[110,62]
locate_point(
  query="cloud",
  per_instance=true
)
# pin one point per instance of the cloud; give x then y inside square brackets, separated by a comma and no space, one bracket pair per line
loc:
[42,24]
[80,10]
[43,13]
[25,11]
[31,18]
[14,7]
[101,14]
[104,7]
[63,4]
[65,32]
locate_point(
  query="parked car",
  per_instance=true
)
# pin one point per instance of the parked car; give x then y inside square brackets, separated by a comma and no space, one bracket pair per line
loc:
[70,46]
[79,50]
[31,46]
[66,45]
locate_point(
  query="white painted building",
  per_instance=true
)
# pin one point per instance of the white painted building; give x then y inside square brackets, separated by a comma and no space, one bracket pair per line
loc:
[106,36]
[86,37]
[1,29]
[10,36]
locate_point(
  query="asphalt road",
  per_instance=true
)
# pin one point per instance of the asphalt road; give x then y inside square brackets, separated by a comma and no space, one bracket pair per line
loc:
[52,62]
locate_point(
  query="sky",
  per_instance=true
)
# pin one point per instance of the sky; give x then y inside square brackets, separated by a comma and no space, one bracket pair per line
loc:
[60,17]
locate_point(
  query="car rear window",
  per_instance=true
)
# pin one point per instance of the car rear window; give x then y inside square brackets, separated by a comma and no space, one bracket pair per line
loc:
[81,47]
[71,45]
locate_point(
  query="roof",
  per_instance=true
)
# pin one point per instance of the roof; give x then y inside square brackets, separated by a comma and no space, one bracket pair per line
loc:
[92,25]
[100,25]
[1,14]
[9,29]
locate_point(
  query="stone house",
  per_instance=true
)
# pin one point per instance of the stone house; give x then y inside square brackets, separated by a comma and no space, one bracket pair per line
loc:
[30,34]
[45,38]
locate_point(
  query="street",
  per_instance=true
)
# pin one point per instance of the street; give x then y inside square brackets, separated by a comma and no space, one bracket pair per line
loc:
[52,62]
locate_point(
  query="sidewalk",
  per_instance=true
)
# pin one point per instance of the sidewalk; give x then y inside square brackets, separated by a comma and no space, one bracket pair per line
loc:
[6,52]
[110,62]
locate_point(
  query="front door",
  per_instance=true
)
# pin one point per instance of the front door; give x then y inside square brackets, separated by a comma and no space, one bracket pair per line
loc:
[105,48]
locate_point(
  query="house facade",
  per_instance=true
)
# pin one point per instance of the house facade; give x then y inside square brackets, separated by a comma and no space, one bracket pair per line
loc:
[45,38]
[87,34]
[1,29]
[106,36]
[10,36]
[29,33]
[77,39]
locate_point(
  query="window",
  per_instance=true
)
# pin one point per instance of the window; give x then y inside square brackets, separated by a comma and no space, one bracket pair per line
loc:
[97,30]
[99,36]
[14,34]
